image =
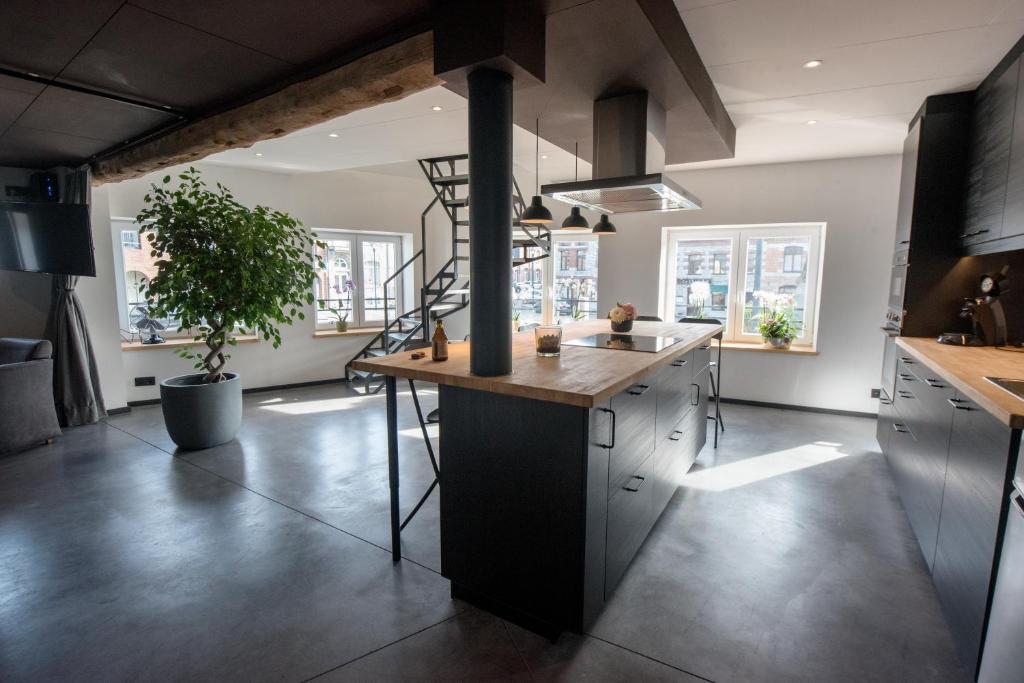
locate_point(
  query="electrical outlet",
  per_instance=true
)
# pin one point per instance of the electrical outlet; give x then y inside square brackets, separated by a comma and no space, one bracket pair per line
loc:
[876,393]
[145,381]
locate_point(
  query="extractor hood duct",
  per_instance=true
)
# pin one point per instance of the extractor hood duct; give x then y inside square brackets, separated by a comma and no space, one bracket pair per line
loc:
[629,157]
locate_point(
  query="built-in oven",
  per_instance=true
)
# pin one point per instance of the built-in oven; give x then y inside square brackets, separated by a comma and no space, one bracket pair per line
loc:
[893,323]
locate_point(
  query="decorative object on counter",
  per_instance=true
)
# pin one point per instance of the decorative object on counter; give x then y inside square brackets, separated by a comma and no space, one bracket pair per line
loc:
[776,320]
[622,317]
[439,343]
[548,339]
[604,226]
[984,313]
[700,292]
[416,355]
[201,287]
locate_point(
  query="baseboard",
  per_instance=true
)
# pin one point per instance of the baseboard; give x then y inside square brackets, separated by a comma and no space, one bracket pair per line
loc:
[803,409]
[253,390]
[119,411]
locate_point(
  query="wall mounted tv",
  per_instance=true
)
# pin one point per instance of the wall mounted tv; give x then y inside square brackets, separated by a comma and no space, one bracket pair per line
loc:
[46,238]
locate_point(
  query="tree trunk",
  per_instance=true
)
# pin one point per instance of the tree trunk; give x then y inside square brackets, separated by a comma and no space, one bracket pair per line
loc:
[214,360]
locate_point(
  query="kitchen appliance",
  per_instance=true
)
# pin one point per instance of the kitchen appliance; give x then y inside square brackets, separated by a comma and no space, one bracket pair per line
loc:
[629,157]
[985,314]
[624,342]
[1004,638]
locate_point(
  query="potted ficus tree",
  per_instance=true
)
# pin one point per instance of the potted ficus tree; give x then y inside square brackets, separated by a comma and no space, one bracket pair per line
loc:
[222,268]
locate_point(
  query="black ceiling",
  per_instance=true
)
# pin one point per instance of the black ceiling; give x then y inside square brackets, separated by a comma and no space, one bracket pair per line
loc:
[162,61]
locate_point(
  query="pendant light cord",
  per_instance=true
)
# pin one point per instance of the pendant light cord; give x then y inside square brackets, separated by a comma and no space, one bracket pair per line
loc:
[536,159]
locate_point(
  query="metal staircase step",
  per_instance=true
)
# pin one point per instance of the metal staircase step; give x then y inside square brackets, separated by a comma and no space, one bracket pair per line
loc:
[461,240]
[456,203]
[445,307]
[458,291]
[450,180]
[365,374]
[376,353]
[449,157]
[461,258]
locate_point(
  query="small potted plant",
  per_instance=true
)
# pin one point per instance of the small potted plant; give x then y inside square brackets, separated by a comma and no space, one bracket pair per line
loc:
[515,321]
[622,317]
[221,267]
[776,322]
[340,316]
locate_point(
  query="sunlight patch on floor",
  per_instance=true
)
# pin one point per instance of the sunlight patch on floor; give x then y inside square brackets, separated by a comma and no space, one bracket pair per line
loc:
[323,405]
[762,467]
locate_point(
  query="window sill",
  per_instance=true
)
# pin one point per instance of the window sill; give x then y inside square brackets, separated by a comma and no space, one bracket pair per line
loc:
[754,346]
[178,342]
[355,331]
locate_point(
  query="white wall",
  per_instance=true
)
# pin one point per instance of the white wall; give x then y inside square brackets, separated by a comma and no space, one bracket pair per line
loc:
[857,199]
[347,200]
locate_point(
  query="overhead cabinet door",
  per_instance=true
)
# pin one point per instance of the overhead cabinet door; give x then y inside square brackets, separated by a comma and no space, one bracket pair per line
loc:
[1013,214]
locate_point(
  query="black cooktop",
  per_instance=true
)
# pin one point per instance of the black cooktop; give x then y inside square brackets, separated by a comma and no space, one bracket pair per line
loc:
[625,342]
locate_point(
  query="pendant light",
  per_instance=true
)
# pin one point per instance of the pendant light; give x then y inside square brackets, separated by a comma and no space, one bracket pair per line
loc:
[536,213]
[604,226]
[575,220]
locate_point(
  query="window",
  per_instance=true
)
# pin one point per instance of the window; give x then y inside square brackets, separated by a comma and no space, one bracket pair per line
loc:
[779,262]
[356,266]
[561,287]
[135,267]
[130,239]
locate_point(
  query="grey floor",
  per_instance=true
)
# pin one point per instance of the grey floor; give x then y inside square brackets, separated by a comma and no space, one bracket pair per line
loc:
[785,557]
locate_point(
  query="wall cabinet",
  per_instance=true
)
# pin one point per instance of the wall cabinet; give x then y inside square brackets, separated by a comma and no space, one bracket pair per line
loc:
[951,462]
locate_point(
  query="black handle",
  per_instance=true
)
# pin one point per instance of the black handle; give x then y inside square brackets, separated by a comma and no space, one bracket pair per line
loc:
[904,241]
[674,437]
[704,348]
[679,362]
[900,427]
[885,401]
[934,383]
[907,360]
[956,403]
[1018,502]
[612,444]
[907,378]
[697,400]
[642,387]
[639,486]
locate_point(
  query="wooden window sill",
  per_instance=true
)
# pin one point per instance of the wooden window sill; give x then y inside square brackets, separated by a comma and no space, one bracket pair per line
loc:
[178,342]
[354,331]
[754,346]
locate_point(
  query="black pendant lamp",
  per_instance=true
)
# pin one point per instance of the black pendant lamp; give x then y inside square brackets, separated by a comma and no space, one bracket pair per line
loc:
[604,226]
[575,220]
[536,213]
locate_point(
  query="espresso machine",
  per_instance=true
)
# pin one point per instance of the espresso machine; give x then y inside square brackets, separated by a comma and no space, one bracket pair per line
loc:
[984,313]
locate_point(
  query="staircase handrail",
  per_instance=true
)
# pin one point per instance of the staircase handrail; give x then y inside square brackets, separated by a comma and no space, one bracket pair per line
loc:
[398,272]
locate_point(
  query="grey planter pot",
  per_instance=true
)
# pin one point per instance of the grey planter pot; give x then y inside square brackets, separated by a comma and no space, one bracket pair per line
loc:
[201,415]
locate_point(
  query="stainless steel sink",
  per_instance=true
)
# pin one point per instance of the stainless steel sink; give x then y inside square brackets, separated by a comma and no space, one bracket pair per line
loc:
[1013,386]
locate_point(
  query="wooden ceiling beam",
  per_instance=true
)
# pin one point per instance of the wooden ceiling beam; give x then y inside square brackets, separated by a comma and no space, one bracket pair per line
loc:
[387,75]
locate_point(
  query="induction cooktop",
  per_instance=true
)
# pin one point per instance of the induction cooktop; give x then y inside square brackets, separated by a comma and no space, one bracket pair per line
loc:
[624,342]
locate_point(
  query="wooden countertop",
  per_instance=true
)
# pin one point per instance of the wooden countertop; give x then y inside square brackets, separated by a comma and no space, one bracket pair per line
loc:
[965,367]
[580,376]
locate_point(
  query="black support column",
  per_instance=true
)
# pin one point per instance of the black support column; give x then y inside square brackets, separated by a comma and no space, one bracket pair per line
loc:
[490,222]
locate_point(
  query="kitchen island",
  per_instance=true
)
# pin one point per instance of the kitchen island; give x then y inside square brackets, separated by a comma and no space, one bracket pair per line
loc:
[553,476]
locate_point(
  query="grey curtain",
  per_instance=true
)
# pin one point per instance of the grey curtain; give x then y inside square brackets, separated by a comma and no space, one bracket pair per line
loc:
[76,381]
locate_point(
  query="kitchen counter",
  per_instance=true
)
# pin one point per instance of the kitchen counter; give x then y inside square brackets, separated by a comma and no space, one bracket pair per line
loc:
[581,376]
[966,367]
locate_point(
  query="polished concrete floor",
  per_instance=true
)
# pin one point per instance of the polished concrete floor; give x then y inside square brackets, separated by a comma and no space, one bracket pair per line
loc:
[785,557]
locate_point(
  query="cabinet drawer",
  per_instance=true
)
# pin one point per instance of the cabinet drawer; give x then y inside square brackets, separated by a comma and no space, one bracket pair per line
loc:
[672,459]
[633,424]
[629,520]
[701,358]
[674,387]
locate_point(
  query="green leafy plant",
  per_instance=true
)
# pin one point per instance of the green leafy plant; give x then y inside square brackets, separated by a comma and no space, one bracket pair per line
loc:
[776,319]
[223,266]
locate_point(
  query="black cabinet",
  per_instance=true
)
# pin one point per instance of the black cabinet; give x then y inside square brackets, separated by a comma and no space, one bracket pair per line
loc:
[635,411]
[992,131]
[1013,213]
[973,508]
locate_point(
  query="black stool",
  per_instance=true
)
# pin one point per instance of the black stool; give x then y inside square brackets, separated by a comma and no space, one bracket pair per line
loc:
[715,371]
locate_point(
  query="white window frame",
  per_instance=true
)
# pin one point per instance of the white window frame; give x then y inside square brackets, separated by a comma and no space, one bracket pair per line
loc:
[548,313]
[740,235]
[357,237]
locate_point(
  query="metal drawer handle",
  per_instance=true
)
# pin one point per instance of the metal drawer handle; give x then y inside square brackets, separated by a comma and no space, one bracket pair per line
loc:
[934,383]
[612,444]
[908,361]
[1018,502]
[957,403]
[900,427]
[696,401]
[642,387]
[679,362]
[906,378]
[673,437]
[905,394]
[639,486]
[704,348]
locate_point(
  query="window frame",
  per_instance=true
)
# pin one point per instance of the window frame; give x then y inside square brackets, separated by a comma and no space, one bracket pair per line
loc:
[358,318]
[739,237]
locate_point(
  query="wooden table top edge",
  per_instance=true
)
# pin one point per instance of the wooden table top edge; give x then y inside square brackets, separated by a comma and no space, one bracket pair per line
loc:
[436,373]
[992,398]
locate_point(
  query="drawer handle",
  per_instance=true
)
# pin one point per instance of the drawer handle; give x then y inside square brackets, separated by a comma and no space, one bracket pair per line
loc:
[611,445]
[907,378]
[905,394]
[696,399]
[679,362]
[958,403]
[901,428]
[935,384]
[704,348]
[674,437]
[973,234]
[639,486]
[642,388]
[908,361]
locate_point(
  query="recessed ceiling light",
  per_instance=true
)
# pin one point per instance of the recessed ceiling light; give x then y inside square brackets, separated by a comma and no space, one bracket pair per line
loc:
[813,64]
[259,154]
[437,107]
[332,135]
[812,122]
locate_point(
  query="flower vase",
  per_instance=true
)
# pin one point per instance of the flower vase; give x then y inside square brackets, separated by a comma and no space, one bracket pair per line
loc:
[624,326]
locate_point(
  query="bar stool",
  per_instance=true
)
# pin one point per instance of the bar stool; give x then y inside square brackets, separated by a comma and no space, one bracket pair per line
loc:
[715,370]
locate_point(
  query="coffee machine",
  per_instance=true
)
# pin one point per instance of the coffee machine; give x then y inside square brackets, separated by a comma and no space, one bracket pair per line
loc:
[984,313]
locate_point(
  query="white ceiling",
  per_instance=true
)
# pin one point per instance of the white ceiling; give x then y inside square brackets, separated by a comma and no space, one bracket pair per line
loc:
[881,59]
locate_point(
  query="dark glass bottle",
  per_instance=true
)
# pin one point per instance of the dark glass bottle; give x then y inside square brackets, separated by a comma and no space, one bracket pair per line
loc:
[439,347]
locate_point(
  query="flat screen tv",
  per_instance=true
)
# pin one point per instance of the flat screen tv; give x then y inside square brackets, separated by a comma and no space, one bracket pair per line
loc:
[46,238]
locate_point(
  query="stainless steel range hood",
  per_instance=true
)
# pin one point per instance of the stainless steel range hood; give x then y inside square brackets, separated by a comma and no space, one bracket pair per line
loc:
[629,155]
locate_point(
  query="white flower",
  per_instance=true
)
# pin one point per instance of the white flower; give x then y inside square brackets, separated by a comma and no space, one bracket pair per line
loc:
[700,292]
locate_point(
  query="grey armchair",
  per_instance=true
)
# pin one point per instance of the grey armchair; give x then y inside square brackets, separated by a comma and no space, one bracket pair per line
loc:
[27,413]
